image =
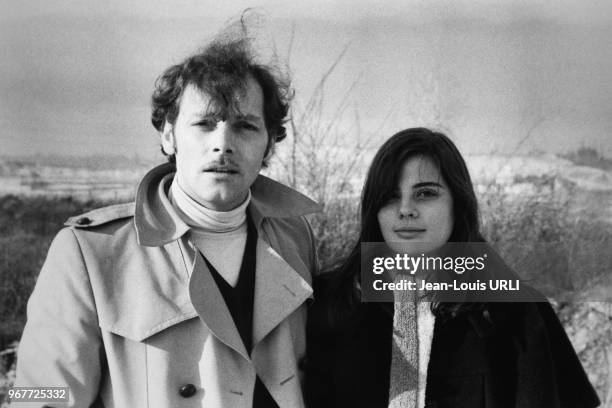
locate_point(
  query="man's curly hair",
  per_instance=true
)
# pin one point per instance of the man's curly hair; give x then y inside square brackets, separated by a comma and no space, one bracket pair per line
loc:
[221,70]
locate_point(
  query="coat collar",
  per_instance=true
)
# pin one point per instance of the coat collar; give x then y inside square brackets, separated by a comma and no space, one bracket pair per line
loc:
[157,223]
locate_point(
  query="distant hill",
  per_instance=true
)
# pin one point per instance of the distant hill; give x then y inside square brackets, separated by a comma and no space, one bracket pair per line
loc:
[102,177]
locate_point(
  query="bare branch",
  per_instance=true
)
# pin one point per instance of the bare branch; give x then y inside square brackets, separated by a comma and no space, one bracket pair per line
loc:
[290,46]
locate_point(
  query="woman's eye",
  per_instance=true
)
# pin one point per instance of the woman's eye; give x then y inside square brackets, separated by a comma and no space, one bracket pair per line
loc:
[393,197]
[426,194]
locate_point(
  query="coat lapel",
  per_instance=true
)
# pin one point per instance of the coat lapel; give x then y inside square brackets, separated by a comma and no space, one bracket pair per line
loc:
[211,307]
[279,291]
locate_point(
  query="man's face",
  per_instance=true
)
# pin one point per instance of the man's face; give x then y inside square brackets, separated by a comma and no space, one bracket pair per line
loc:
[217,161]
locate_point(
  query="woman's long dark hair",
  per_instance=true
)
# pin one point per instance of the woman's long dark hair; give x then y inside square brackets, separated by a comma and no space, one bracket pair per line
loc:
[342,286]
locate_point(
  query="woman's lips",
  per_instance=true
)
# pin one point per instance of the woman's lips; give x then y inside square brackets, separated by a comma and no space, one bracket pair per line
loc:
[408,233]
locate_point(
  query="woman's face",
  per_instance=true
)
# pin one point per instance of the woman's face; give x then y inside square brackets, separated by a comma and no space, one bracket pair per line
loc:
[419,217]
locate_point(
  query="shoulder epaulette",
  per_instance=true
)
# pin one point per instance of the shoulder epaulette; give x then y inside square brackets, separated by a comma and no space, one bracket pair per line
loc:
[101,216]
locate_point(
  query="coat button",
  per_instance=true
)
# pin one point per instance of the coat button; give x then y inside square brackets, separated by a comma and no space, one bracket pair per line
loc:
[83,221]
[187,390]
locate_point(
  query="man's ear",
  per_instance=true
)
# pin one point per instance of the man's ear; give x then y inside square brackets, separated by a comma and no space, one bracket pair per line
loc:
[269,152]
[167,138]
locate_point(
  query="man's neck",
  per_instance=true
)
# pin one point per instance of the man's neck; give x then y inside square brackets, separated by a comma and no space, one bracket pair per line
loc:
[198,216]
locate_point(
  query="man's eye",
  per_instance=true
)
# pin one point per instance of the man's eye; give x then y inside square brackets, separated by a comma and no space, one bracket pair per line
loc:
[207,123]
[247,126]
[426,193]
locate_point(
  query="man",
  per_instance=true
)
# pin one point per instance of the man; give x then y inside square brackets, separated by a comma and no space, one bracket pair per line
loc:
[194,295]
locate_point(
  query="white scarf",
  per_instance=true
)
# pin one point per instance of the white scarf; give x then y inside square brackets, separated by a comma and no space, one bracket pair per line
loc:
[413,325]
[199,216]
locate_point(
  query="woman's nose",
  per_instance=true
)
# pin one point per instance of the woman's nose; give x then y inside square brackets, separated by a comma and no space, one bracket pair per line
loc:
[407,209]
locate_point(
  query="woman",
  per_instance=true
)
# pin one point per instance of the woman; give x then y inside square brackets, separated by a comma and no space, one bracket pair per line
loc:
[417,197]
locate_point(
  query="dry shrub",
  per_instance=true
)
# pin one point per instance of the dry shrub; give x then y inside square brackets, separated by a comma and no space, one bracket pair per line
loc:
[27,227]
[324,159]
[561,253]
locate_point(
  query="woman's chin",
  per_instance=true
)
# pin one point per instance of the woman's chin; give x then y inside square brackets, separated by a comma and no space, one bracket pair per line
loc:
[413,248]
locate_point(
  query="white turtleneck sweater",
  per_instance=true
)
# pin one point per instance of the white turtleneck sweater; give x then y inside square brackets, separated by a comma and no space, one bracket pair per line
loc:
[219,235]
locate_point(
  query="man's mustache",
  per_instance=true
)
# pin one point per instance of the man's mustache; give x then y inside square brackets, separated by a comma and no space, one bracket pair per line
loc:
[223,164]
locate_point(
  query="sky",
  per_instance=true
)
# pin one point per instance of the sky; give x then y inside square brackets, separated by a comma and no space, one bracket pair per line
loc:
[506,76]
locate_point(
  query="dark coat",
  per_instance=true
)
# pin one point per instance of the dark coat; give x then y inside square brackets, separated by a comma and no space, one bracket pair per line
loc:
[511,355]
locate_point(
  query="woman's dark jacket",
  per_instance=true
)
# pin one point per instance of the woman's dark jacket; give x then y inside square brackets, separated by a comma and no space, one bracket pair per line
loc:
[507,355]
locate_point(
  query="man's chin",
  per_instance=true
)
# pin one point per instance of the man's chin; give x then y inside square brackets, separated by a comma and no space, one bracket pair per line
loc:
[222,200]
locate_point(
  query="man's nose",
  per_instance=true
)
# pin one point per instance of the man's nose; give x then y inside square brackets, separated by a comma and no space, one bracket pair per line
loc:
[223,138]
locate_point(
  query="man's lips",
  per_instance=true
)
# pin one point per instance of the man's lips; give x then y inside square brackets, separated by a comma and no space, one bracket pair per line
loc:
[221,170]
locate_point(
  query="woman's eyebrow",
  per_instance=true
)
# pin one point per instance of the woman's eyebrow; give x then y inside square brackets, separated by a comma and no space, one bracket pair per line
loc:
[427,184]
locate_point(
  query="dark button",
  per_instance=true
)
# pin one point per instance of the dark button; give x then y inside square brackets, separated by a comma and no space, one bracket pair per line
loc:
[83,221]
[487,316]
[187,390]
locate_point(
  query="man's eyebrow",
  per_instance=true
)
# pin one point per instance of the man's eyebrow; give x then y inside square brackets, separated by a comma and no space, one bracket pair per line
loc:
[427,184]
[249,116]
[203,115]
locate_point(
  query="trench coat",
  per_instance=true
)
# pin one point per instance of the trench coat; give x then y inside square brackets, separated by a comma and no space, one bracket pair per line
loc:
[126,313]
